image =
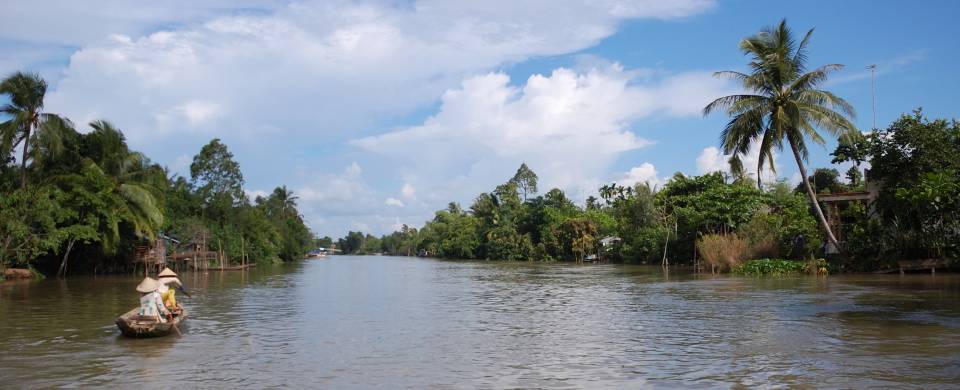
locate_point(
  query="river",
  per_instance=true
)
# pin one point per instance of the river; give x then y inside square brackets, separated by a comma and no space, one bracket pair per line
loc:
[388,323]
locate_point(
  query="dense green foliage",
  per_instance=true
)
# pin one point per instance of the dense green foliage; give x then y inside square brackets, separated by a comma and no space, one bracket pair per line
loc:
[771,267]
[85,201]
[626,224]
[917,211]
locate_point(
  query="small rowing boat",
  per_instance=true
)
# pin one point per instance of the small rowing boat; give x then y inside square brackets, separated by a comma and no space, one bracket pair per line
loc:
[132,324]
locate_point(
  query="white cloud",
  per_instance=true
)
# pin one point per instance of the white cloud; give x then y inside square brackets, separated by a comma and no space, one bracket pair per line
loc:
[567,126]
[394,202]
[712,160]
[884,66]
[343,64]
[348,186]
[644,173]
[253,194]
[271,76]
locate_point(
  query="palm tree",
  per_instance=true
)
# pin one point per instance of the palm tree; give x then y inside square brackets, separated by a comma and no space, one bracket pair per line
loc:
[27,123]
[135,179]
[782,102]
[285,199]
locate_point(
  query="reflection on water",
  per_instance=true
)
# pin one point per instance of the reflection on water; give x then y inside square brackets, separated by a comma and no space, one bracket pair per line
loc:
[382,322]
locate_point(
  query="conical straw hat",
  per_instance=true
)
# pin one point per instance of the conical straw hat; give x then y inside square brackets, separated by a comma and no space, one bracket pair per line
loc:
[167,280]
[167,272]
[148,285]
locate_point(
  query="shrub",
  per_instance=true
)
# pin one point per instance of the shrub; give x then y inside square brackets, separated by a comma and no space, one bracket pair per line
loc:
[761,236]
[721,251]
[773,267]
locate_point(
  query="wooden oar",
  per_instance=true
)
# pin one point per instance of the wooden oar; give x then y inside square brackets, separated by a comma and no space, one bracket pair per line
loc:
[174,324]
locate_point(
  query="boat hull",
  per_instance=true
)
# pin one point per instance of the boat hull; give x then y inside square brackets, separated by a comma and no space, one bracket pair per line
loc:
[131,325]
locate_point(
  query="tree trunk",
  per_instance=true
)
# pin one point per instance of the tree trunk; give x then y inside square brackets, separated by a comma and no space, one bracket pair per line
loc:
[63,263]
[23,161]
[663,262]
[812,195]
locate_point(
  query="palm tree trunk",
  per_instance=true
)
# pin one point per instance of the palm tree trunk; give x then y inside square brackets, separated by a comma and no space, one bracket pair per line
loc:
[812,195]
[23,161]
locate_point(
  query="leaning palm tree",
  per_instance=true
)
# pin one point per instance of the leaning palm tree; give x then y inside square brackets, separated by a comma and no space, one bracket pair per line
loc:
[27,124]
[782,102]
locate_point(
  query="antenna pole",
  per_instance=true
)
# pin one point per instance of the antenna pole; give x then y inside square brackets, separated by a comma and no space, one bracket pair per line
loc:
[873,91]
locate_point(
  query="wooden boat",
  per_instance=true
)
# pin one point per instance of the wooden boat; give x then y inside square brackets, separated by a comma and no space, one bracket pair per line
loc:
[132,324]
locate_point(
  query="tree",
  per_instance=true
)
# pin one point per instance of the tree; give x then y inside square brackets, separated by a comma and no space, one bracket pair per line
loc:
[854,177]
[824,181]
[28,224]
[92,212]
[783,104]
[215,173]
[525,180]
[133,179]
[915,160]
[286,200]
[27,123]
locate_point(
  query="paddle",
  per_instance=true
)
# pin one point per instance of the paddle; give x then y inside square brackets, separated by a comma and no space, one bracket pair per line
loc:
[174,324]
[183,290]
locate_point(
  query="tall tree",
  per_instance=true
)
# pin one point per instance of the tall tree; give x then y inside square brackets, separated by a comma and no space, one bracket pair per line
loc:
[27,124]
[525,180]
[782,102]
[216,174]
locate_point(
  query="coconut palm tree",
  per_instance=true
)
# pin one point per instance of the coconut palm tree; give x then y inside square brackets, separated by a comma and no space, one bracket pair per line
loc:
[27,123]
[782,102]
[135,180]
[286,200]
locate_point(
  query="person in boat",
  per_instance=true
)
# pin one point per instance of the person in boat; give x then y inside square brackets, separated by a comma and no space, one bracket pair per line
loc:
[151,304]
[169,295]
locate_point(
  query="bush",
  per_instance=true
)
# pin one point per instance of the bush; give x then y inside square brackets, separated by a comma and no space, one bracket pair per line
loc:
[721,251]
[771,267]
[761,236]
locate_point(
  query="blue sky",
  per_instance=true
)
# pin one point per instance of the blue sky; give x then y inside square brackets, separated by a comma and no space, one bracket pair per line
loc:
[378,113]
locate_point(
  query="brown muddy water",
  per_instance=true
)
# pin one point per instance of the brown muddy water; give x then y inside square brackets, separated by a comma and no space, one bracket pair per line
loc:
[385,322]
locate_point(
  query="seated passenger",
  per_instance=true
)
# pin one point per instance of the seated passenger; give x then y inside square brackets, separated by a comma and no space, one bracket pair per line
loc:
[151,305]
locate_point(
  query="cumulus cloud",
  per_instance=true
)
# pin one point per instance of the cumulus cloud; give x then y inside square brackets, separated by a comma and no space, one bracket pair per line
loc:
[568,126]
[712,160]
[336,63]
[644,173]
[271,76]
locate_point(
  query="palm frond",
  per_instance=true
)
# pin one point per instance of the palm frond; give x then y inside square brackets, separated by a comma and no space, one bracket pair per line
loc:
[726,102]
[826,99]
[144,213]
[800,57]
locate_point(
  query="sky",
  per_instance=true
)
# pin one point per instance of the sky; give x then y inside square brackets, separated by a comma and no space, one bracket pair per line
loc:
[378,113]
